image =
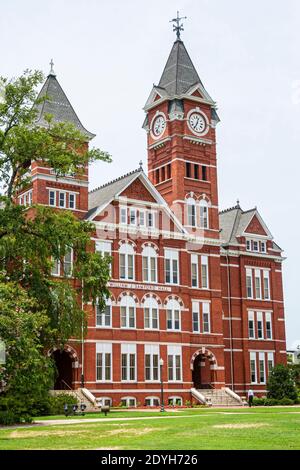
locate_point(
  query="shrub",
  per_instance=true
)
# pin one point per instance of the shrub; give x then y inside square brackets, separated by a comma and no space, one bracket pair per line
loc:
[286,402]
[259,401]
[281,383]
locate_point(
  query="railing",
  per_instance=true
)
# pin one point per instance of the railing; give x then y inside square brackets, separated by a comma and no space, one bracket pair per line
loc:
[71,389]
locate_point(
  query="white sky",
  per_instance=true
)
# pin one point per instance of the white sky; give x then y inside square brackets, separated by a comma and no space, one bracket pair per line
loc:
[108,54]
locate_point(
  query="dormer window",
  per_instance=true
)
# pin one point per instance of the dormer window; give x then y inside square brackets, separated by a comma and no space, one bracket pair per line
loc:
[257,246]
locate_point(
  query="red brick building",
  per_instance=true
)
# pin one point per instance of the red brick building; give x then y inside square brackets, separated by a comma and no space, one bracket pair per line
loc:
[198,288]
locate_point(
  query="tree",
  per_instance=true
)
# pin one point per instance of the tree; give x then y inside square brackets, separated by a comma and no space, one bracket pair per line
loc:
[33,239]
[281,383]
[27,373]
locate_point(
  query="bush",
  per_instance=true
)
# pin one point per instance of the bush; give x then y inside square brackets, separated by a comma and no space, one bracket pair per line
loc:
[286,402]
[8,417]
[281,383]
[54,404]
[259,401]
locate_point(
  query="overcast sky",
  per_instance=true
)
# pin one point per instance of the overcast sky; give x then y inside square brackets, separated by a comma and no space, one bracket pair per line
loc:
[107,55]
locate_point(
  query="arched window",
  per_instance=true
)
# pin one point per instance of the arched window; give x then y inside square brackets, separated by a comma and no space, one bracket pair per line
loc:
[127,309]
[175,401]
[149,259]
[191,212]
[203,214]
[173,315]
[104,401]
[126,257]
[103,316]
[129,402]
[151,314]
[152,401]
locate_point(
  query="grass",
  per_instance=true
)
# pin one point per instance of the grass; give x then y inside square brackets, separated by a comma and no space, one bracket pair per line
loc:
[258,428]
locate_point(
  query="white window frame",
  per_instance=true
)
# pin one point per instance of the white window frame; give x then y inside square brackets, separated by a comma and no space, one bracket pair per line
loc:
[127,306]
[127,251]
[151,218]
[249,287]
[123,215]
[173,399]
[104,349]
[103,315]
[270,359]
[152,401]
[69,199]
[127,401]
[69,263]
[260,321]
[191,212]
[253,359]
[194,265]
[196,317]
[266,285]
[133,213]
[53,191]
[174,352]
[206,311]
[128,350]
[262,360]
[269,331]
[204,218]
[257,277]
[204,269]
[172,258]
[64,194]
[152,350]
[151,305]
[251,318]
[172,308]
[148,256]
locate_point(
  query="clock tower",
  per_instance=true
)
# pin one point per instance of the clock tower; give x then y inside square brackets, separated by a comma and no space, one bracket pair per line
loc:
[180,121]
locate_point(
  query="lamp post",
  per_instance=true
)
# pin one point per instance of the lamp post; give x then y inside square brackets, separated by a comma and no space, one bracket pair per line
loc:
[162,407]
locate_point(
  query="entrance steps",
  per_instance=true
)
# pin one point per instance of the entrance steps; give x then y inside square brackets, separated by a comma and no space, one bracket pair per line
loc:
[217,397]
[83,395]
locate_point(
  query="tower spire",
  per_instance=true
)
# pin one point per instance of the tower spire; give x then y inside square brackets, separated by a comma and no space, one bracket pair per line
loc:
[51,68]
[178,26]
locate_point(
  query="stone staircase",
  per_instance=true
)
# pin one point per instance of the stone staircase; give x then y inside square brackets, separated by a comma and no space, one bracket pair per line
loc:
[81,397]
[220,397]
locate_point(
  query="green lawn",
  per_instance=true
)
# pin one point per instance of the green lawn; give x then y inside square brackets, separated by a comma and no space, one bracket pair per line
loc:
[258,428]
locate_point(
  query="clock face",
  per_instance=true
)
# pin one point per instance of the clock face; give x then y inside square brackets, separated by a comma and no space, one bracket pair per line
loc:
[158,126]
[197,123]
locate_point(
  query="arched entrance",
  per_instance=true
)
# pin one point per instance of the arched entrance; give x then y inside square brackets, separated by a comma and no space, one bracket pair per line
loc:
[202,365]
[66,363]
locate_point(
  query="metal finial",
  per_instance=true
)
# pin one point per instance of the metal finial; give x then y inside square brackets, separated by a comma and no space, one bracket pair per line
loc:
[51,69]
[178,27]
[141,165]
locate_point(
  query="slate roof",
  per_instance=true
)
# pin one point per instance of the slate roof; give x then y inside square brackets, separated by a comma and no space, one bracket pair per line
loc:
[179,73]
[58,105]
[233,223]
[104,194]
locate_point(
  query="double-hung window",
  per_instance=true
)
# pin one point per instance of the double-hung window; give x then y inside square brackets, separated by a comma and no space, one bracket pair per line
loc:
[149,261]
[52,198]
[268,325]
[151,314]
[172,266]
[127,310]
[68,262]
[204,272]
[174,364]
[266,277]
[203,214]
[123,215]
[262,370]
[126,260]
[103,316]
[257,284]
[251,325]
[191,212]
[173,315]
[196,317]
[260,325]
[128,362]
[151,362]
[253,374]
[206,317]
[62,199]
[72,201]
[103,362]
[249,283]
[194,270]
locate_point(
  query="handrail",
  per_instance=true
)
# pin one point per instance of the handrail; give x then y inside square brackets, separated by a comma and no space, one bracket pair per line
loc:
[72,390]
[234,395]
[199,396]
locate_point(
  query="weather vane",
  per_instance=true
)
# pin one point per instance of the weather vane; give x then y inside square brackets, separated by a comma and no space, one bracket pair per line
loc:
[178,27]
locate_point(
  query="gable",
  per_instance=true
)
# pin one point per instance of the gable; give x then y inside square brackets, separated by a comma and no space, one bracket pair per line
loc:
[136,190]
[255,227]
[197,94]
